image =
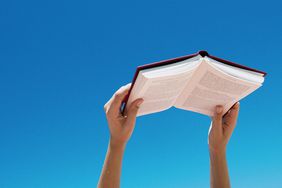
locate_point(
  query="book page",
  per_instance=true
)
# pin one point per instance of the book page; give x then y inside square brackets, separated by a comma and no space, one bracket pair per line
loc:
[160,86]
[158,93]
[210,87]
[237,72]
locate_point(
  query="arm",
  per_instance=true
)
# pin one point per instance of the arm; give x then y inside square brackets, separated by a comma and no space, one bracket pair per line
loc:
[219,134]
[121,128]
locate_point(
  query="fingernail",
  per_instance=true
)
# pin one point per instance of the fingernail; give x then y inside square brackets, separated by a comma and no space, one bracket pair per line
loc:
[139,103]
[219,109]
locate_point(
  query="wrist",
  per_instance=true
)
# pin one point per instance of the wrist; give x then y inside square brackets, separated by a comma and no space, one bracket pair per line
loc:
[219,153]
[117,145]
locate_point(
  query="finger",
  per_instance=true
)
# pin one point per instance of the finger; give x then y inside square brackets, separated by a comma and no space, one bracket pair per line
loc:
[117,98]
[232,115]
[217,118]
[132,112]
[231,119]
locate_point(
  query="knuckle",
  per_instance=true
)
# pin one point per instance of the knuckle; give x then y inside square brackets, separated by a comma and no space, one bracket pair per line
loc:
[117,96]
[105,107]
[134,108]
[215,118]
[107,112]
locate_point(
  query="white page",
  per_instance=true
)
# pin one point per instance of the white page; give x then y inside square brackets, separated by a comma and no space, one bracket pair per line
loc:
[237,72]
[209,87]
[160,89]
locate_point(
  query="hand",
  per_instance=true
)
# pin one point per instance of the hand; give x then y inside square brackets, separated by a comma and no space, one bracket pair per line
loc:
[121,126]
[221,128]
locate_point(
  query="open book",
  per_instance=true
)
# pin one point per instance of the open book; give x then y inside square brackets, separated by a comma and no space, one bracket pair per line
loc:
[196,82]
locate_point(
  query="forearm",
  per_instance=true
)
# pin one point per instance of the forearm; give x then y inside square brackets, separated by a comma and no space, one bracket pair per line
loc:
[111,172]
[219,177]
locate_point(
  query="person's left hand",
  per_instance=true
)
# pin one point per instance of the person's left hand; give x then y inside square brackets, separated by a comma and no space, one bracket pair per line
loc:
[121,126]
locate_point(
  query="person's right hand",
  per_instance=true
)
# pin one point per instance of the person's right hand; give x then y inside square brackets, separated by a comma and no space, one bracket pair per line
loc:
[121,126]
[221,128]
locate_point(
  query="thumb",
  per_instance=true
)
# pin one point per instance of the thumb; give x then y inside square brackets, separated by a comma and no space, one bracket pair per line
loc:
[217,118]
[132,112]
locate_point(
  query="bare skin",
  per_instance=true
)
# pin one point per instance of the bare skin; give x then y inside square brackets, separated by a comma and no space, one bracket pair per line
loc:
[121,128]
[220,132]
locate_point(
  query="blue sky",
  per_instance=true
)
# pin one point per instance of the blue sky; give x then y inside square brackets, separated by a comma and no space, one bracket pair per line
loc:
[60,61]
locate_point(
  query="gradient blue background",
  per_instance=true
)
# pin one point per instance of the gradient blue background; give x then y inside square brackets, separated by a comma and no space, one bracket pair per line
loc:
[60,61]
